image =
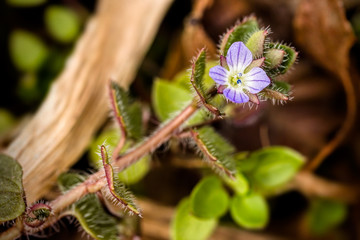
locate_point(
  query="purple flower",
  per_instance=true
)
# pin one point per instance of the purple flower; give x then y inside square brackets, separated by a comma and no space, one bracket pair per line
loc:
[237,84]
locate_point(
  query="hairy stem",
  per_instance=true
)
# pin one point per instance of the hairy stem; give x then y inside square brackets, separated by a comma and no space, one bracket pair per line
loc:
[97,180]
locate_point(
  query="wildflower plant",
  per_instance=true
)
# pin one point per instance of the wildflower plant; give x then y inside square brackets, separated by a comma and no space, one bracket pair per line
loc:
[246,71]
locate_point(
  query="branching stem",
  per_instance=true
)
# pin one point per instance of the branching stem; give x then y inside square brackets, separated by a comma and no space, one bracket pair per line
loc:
[97,180]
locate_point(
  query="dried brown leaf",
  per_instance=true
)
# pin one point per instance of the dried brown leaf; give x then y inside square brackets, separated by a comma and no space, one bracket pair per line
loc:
[325,34]
[321,28]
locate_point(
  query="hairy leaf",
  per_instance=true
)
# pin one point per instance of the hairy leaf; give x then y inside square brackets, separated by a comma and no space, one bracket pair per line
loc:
[277,91]
[128,116]
[274,57]
[89,211]
[256,43]
[250,211]
[182,80]
[119,194]
[215,149]
[185,226]
[288,59]
[240,32]
[11,191]
[197,74]
[209,199]
[110,138]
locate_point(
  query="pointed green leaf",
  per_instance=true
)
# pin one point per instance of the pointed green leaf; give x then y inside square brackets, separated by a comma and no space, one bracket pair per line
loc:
[110,138]
[62,23]
[325,215]
[209,199]
[89,211]
[288,59]
[250,211]
[256,43]
[275,166]
[215,149]
[185,226]
[239,32]
[197,74]
[27,51]
[127,115]
[11,191]
[274,57]
[182,80]
[118,193]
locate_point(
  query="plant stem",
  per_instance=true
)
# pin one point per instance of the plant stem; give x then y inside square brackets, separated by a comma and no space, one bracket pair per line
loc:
[97,180]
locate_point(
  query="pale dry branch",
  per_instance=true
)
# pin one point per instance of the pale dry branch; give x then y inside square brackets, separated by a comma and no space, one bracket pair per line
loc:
[112,46]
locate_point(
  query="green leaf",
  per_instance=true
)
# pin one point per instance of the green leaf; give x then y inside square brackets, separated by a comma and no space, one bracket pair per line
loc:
[118,193]
[182,80]
[11,192]
[275,166]
[256,43]
[197,74]
[239,32]
[110,137]
[25,3]
[135,172]
[276,91]
[325,215]
[250,211]
[27,51]
[89,211]
[274,57]
[240,185]
[209,199]
[185,226]
[168,99]
[62,23]
[288,59]
[215,149]
[128,116]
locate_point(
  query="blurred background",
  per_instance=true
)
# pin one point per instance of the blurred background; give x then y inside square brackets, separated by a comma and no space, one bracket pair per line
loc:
[37,36]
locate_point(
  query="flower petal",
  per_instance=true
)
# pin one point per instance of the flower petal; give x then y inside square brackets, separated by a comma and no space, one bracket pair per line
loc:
[238,57]
[219,74]
[256,80]
[235,96]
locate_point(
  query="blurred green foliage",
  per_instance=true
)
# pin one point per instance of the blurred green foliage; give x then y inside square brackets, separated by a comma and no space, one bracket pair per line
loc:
[62,23]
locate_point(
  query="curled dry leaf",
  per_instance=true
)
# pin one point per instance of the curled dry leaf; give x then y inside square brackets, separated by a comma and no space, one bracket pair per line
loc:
[321,28]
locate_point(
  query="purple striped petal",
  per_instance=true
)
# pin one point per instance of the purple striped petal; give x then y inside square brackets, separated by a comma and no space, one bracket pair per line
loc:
[238,57]
[219,74]
[235,96]
[256,80]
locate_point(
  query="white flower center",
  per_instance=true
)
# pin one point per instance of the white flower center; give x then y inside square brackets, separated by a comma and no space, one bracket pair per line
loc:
[236,80]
